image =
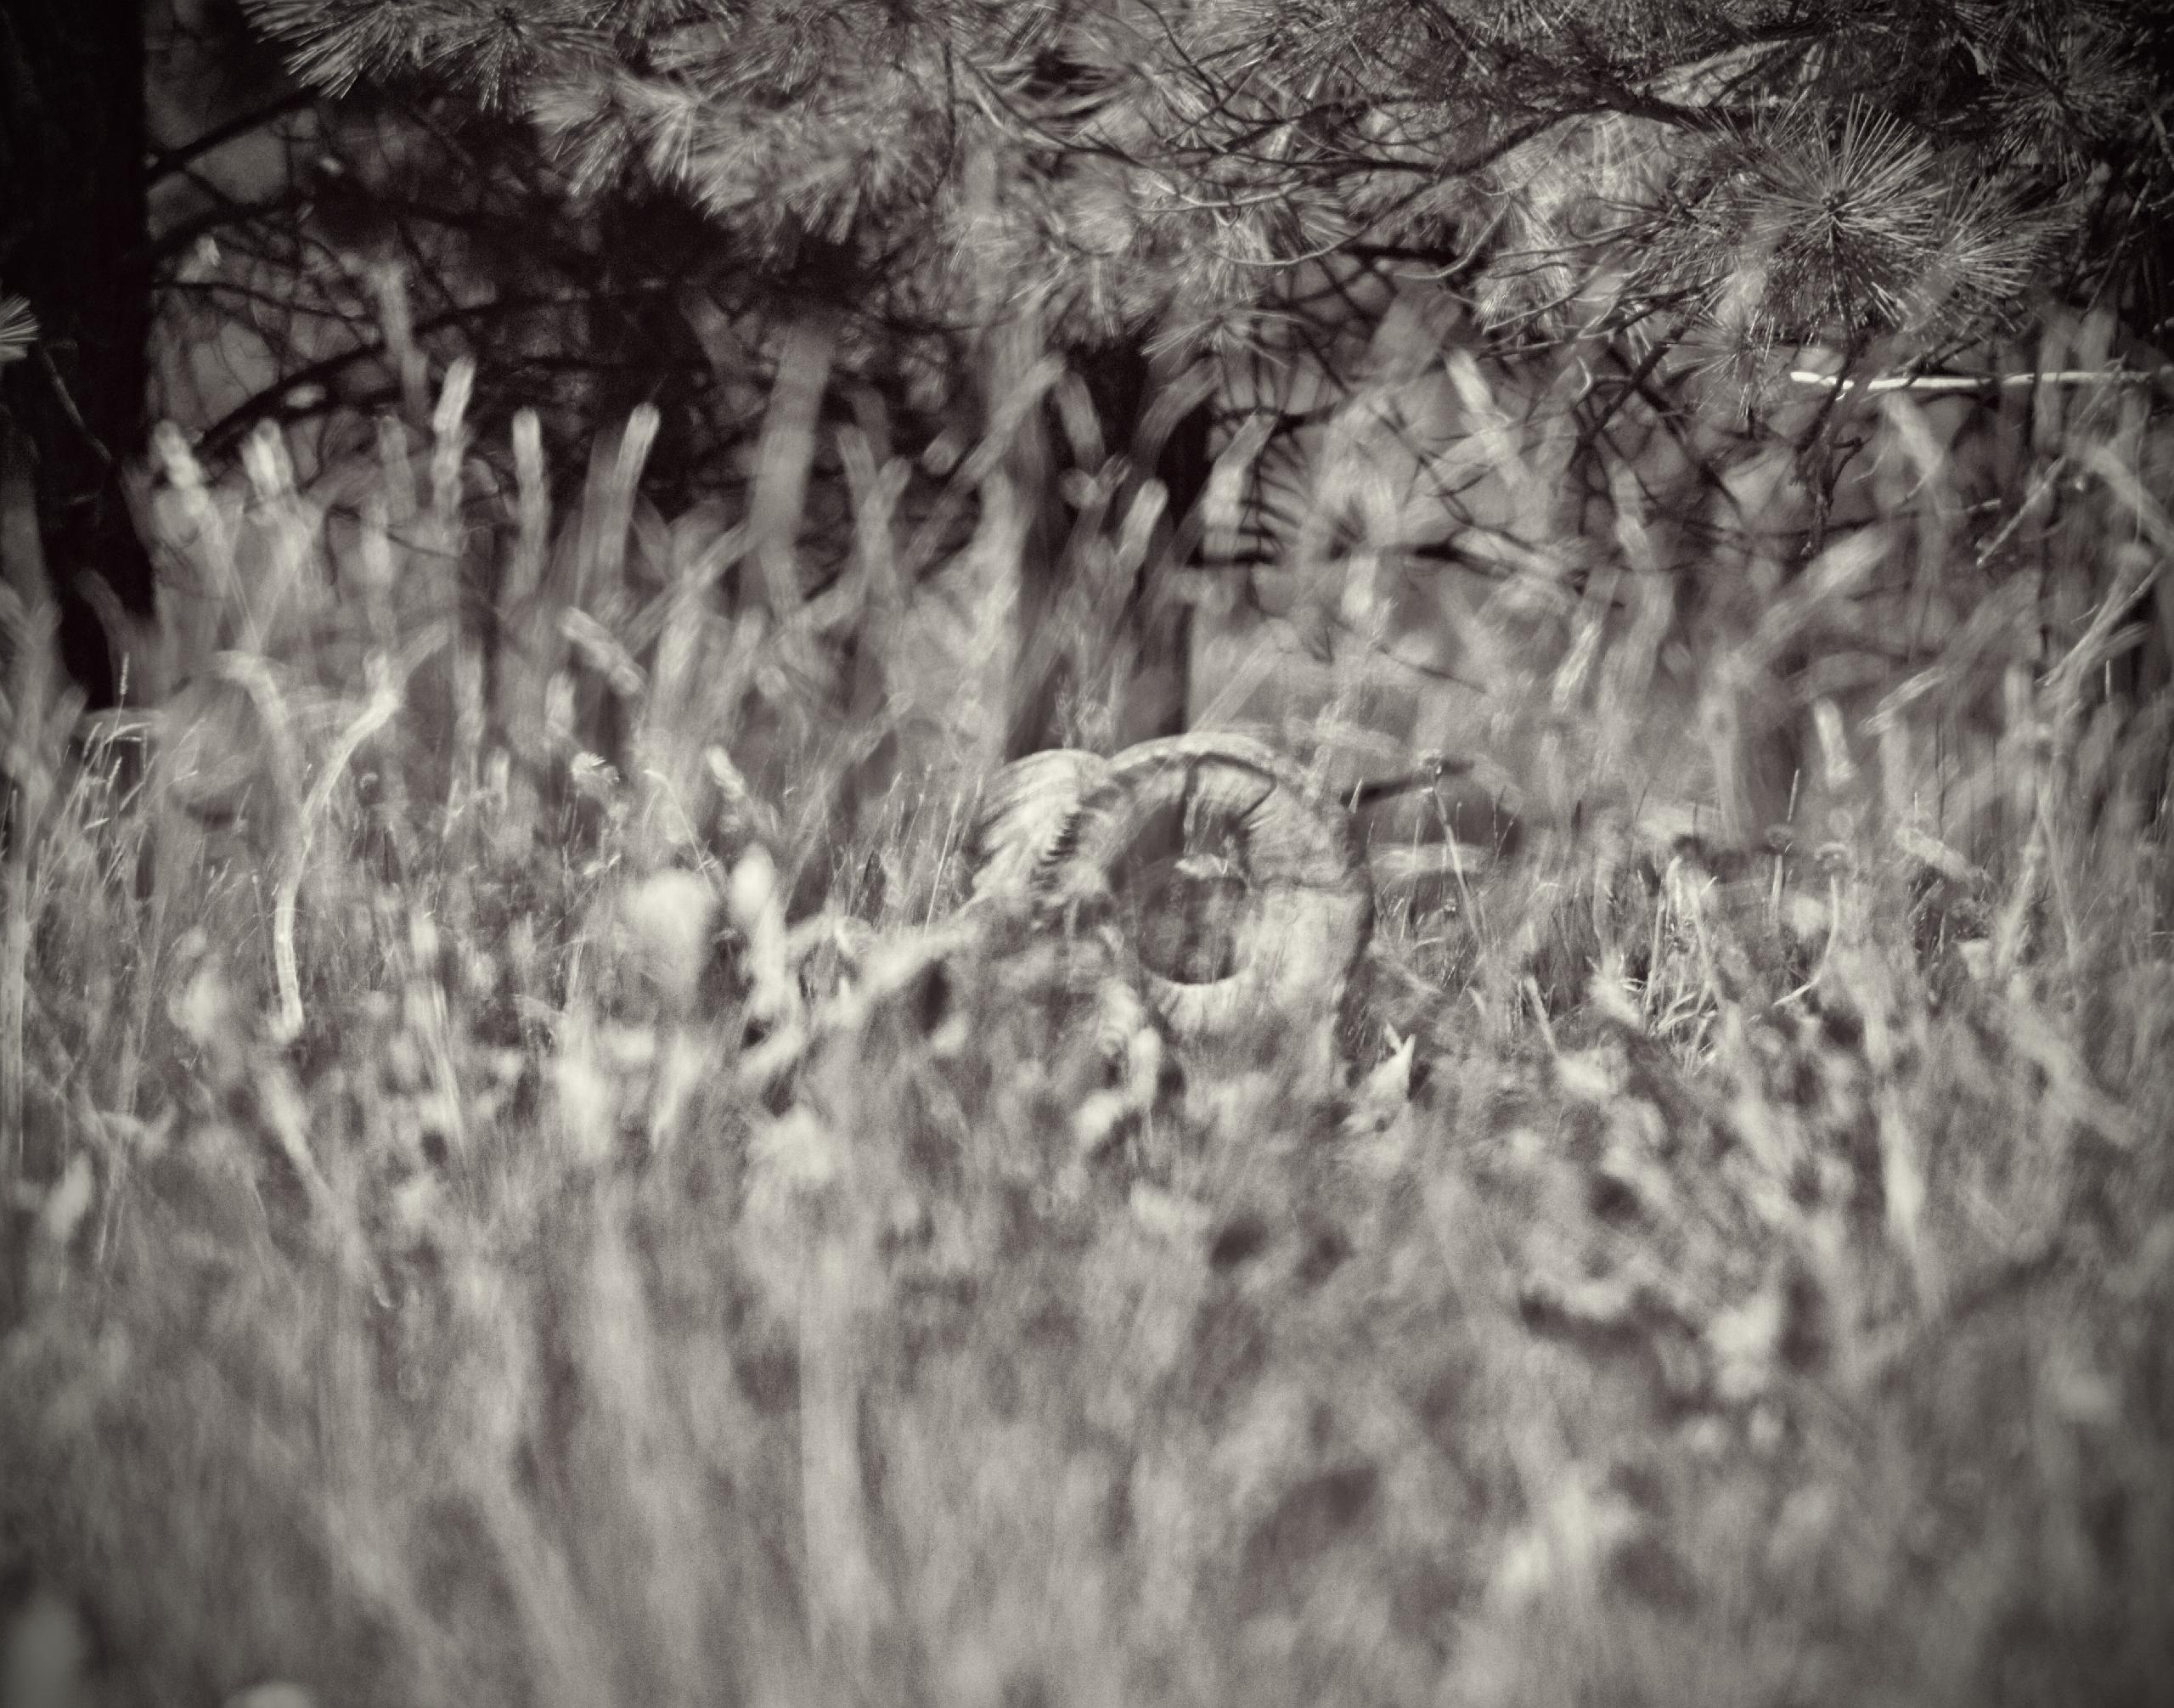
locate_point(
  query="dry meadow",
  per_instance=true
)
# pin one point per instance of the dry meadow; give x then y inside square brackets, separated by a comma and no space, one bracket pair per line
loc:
[526,1184]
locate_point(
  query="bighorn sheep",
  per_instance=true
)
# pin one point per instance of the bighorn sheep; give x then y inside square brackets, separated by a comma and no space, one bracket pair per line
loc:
[1239,896]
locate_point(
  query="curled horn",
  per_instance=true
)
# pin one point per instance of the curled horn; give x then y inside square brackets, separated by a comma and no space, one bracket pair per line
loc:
[1243,895]
[1024,810]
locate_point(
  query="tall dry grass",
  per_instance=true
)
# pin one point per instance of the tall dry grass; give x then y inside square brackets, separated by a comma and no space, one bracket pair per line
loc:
[522,1188]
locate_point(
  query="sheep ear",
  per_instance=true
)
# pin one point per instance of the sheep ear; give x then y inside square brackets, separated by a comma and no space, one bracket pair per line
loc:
[1025,810]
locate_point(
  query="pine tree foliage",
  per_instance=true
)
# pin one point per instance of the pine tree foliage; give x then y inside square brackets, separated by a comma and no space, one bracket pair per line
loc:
[18,329]
[1763,171]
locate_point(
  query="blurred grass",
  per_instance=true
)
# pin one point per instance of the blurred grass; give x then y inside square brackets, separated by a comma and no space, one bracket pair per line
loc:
[523,1188]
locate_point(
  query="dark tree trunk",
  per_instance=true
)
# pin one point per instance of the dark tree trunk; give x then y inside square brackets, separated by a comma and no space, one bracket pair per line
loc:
[1134,393]
[1130,391]
[72,240]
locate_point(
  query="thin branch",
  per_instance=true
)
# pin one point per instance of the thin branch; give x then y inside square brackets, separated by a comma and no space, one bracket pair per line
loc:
[164,162]
[1983,382]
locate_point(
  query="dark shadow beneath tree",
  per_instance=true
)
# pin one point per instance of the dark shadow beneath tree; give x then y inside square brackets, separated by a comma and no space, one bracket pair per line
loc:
[73,241]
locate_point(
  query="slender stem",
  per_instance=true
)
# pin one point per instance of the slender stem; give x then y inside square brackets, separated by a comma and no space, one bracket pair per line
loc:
[1980,382]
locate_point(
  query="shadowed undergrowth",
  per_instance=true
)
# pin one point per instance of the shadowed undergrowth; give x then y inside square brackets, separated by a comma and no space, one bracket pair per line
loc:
[490,1225]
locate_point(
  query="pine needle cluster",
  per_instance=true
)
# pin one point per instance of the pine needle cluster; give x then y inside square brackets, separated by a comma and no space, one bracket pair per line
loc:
[1831,172]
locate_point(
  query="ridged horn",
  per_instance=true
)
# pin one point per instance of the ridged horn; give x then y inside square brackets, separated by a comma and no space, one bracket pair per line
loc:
[1024,812]
[1243,895]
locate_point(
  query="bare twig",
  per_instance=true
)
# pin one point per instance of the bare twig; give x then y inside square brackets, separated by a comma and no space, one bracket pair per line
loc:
[1983,382]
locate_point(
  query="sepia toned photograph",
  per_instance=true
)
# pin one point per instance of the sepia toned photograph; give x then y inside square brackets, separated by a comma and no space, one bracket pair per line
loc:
[1086,854]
